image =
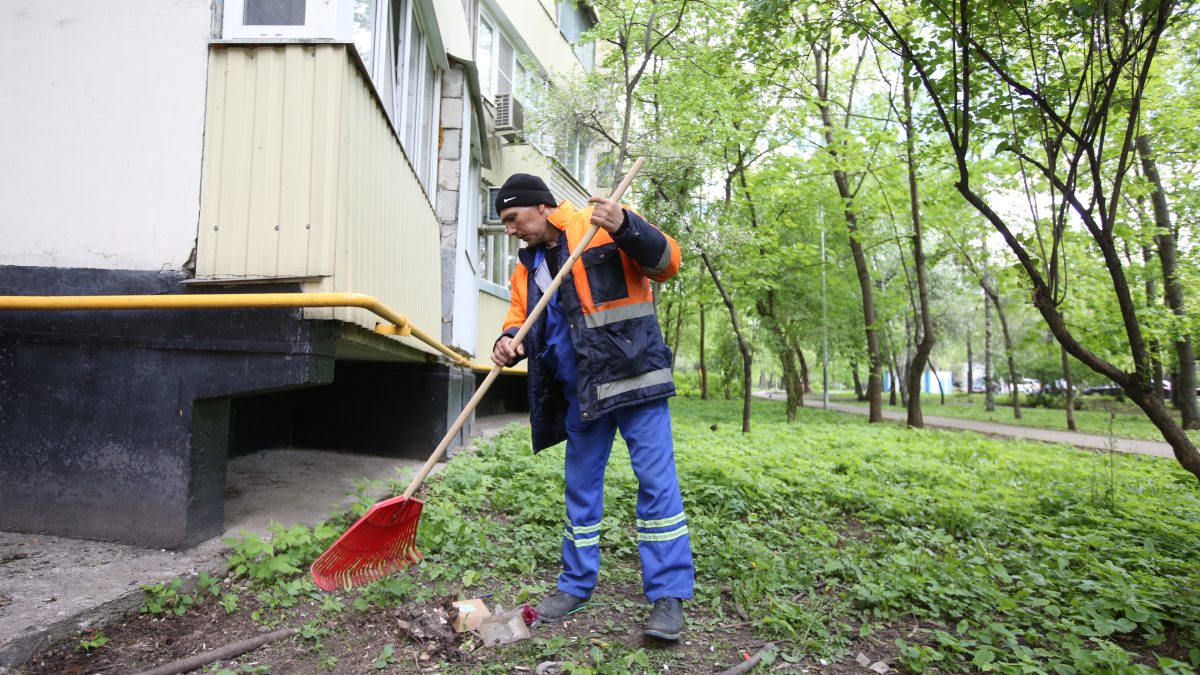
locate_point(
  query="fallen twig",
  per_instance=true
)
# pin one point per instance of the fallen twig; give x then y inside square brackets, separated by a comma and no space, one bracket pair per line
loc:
[748,665]
[221,653]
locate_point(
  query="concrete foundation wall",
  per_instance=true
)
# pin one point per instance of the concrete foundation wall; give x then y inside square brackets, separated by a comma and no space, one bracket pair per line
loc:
[114,425]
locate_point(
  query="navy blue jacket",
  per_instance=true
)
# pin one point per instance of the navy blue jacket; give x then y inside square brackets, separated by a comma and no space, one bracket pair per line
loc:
[606,297]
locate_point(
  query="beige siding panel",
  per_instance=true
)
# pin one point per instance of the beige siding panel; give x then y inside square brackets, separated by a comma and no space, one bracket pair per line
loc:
[297,162]
[210,173]
[266,155]
[391,247]
[234,172]
[295,139]
[491,321]
[269,187]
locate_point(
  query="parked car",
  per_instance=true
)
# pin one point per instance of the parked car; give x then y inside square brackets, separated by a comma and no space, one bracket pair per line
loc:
[1109,389]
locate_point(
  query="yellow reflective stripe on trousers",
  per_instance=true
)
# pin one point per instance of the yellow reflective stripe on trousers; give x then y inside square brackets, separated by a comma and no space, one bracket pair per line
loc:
[590,541]
[662,536]
[665,522]
[585,529]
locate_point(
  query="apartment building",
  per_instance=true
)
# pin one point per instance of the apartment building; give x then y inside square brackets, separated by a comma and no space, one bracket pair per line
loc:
[198,148]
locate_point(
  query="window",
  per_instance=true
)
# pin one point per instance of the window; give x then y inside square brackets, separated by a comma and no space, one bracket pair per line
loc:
[389,37]
[574,149]
[364,29]
[497,250]
[483,56]
[500,70]
[573,21]
[278,19]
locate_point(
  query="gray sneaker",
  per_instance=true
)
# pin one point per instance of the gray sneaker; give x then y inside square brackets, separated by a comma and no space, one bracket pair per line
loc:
[666,620]
[558,606]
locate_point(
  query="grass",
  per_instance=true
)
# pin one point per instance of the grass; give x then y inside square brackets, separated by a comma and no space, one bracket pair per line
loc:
[1008,555]
[1126,421]
[828,536]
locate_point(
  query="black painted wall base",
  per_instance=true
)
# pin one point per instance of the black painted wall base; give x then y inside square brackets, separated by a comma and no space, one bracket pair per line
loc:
[115,425]
[118,425]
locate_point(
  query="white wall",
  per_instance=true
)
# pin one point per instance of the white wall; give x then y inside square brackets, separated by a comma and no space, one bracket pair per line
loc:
[101,124]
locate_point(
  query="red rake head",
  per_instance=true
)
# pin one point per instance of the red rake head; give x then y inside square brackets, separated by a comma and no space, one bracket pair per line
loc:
[383,541]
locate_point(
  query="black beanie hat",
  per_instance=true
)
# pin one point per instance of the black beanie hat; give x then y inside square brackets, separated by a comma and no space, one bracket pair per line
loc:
[522,189]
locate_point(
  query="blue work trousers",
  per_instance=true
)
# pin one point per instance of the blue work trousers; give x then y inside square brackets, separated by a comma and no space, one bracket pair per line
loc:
[663,541]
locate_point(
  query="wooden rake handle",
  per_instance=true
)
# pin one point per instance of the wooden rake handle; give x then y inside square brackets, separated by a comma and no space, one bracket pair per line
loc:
[525,327]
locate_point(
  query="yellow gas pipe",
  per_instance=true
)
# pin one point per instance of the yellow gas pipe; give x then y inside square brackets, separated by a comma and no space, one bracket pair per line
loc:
[397,324]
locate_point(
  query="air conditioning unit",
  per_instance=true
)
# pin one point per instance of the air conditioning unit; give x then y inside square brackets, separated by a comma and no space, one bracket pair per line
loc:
[510,116]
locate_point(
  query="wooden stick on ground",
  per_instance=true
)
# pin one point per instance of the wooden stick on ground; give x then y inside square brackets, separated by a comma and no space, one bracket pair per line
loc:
[748,665]
[221,653]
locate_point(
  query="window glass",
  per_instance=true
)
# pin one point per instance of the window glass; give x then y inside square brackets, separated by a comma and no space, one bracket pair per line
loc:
[364,30]
[573,22]
[426,163]
[274,13]
[416,68]
[504,67]
[483,56]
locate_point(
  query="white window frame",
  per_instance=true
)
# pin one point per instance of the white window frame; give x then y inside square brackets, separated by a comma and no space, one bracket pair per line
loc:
[420,148]
[320,21]
[489,83]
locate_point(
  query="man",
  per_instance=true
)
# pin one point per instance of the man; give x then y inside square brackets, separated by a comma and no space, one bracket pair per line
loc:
[598,363]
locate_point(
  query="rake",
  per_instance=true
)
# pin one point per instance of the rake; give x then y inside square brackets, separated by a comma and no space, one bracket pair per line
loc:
[384,539]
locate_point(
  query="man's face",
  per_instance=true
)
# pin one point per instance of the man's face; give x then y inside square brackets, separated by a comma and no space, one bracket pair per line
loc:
[529,224]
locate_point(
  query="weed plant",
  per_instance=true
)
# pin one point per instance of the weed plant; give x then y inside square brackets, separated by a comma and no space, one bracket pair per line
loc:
[990,555]
[969,554]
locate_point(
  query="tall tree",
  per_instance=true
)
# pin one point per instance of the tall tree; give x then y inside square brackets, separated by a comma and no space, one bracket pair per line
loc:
[1061,90]
[925,334]
[1165,238]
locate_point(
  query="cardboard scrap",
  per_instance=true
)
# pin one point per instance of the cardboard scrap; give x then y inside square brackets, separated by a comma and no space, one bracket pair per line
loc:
[470,614]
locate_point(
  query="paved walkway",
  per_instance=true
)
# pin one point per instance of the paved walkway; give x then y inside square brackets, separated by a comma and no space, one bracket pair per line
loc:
[1089,441]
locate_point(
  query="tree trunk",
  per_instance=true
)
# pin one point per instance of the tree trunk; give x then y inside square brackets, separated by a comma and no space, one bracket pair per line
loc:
[989,398]
[793,384]
[1010,351]
[1152,299]
[898,381]
[1066,367]
[970,369]
[675,333]
[1172,289]
[925,321]
[859,394]
[703,367]
[874,355]
[794,378]
[805,385]
[743,347]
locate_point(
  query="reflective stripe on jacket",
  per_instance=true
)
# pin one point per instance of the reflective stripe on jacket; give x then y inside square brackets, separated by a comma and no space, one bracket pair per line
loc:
[607,299]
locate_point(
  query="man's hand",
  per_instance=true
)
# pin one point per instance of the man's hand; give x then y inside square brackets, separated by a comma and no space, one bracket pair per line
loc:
[608,215]
[504,354]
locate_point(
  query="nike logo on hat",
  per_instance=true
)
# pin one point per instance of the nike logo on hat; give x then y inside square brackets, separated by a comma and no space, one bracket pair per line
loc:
[508,200]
